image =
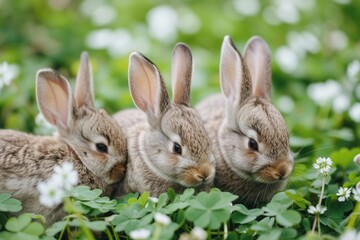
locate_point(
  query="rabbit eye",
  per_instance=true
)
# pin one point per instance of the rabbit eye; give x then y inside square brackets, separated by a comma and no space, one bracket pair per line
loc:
[253,144]
[177,148]
[100,147]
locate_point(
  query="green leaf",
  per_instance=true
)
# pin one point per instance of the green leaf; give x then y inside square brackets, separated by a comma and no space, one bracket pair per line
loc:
[289,233]
[163,198]
[173,207]
[56,228]
[34,228]
[8,204]
[265,224]
[208,210]
[84,193]
[298,199]
[130,218]
[273,234]
[96,225]
[187,194]
[344,157]
[251,215]
[19,223]
[288,218]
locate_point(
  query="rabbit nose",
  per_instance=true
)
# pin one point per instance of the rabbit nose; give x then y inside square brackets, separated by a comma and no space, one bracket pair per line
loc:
[283,173]
[202,177]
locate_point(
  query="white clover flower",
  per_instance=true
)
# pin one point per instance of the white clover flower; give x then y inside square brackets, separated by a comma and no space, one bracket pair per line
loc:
[324,93]
[154,199]
[140,234]
[353,70]
[51,193]
[7,73]
[357,159]
[354,112]
[350,234]
[66,175]
[316,210]
[163,22]
[197,233]
[356,193]
[343,194]
[358,187]
[162,219]
[323,165]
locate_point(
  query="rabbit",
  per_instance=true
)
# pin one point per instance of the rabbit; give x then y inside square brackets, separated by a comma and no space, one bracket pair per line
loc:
[250,140]
[91,140]
[168,145]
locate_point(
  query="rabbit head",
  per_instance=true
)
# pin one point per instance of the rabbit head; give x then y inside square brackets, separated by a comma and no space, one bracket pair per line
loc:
[93,135]
[254,136]
[176,146]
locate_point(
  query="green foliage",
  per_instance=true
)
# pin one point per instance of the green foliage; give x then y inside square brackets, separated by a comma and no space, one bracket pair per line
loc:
[9,204]
[37,34]
[92,216]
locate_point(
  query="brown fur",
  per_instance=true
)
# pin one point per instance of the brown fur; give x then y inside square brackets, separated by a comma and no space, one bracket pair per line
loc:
[153,166]
[231,119]
[26,160]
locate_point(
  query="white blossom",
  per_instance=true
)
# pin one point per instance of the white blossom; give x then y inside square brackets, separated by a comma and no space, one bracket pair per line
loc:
[162,219]
[287,59]
[197,233]
[66,175]
[353,70]
[316,210]
[7,73]
[140,234]
[356,194]
[354,112]
[51,193]
[247,7]
[350,235]
[324,93]
[323,165]
[357,159]
[163,21]
[154,199]
[343,194]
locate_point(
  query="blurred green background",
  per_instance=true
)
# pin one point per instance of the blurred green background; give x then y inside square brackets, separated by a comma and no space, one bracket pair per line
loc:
[315,51]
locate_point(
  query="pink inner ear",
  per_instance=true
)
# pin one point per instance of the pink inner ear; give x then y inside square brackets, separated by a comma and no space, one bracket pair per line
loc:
[144,81]
[181,74]
[54,98]
[230,70]
[258,60]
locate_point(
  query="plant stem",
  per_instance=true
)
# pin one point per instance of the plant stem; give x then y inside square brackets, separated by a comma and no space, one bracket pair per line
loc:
[355,214]
[157,232]
[225,231]
[317,216]
[314,223]
[322,191]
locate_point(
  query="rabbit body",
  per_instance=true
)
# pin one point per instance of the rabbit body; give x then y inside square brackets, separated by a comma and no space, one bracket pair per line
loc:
[249,136]
[91,140]
[168,145]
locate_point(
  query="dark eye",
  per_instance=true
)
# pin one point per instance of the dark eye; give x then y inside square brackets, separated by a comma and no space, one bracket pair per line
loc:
[177,148]
[101,147]
[253,144]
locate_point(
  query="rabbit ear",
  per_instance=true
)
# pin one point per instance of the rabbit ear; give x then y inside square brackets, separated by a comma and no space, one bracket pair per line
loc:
[147,87]
[84,91]
[181,74]
[54,99]
[258,60]
[234,76]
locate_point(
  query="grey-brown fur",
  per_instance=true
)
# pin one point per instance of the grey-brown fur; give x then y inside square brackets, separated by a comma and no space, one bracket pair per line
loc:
[26,160]
[245,112]
[153,130]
